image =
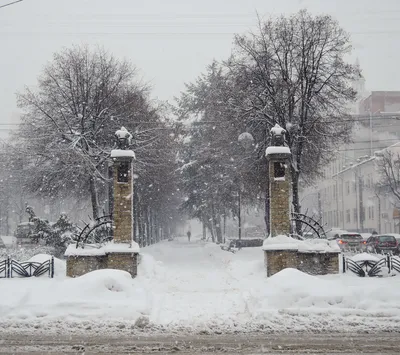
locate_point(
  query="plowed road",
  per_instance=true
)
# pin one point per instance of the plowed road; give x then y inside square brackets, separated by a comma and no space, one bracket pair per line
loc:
[203,344]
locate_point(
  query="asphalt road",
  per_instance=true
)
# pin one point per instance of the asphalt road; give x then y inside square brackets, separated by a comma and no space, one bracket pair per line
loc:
[386,343]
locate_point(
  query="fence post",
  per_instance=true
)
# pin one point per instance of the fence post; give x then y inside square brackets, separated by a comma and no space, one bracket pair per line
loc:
[344,263]
[52,267]
[8,267]
[389,263]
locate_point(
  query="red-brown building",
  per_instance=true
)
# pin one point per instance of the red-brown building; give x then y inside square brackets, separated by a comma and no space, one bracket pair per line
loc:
[379,102]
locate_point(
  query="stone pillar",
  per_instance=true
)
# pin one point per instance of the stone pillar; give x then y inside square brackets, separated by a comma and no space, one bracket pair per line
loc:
[123,201]
[123,253]
[278,157]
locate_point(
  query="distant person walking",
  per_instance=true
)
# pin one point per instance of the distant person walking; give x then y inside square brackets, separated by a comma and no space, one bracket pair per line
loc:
[189,235]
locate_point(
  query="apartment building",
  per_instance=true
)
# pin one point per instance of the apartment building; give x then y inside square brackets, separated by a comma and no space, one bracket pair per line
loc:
[348,197]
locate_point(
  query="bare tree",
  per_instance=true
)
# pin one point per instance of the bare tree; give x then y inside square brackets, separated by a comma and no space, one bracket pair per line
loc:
[294,73]
[68,125]
[388,163]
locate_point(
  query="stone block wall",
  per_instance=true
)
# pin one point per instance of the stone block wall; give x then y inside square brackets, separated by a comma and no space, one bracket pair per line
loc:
[277,260]
[82,264]
[123,223]
[279,201]
[318,263]
[310,263]
[122,261]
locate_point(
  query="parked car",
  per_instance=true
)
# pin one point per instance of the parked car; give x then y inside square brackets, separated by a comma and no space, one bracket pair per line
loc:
[384,243]
[348,241]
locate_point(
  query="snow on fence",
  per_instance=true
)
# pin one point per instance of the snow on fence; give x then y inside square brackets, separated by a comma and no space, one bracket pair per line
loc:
[371,266]
[10,268]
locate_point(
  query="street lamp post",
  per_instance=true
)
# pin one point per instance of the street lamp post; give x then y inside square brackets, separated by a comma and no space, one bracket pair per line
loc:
[246,140]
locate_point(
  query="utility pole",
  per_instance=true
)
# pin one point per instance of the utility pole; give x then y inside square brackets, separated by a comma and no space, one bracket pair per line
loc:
[361,204]
[10,3]
[239,214]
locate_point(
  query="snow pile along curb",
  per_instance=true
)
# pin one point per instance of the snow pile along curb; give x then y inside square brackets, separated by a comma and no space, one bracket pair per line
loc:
[197,287]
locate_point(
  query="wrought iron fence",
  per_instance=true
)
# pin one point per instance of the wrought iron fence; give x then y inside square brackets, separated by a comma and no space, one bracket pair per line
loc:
[10,268]
[371,268]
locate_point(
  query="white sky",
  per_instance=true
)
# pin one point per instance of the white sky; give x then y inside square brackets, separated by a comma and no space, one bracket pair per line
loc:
[172,42]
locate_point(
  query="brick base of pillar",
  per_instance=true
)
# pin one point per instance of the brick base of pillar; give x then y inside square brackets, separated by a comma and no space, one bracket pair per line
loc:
[79,265]
[311,262]
[123,261]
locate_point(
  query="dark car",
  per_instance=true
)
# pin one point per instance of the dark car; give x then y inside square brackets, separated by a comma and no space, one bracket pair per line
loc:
[382,244]
[397,252]
[350,241]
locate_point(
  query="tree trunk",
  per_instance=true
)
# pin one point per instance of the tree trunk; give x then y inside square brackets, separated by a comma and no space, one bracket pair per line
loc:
[140,224]
[94,197]
[216,221]
[295,197]
[150,224]
[266,213]
[210,227]
[110,186]
[135,219]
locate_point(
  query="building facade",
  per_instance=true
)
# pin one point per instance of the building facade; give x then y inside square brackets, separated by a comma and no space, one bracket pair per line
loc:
[349,197]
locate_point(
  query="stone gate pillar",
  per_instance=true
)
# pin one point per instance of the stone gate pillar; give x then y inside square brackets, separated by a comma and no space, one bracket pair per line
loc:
[281,251]
[121,253]
[278,157]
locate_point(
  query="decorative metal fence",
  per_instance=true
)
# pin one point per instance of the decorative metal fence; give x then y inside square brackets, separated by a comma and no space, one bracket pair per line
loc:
[371,268]
[10,268]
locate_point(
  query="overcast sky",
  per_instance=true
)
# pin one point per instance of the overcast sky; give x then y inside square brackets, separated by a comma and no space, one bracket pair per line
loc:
[171,42]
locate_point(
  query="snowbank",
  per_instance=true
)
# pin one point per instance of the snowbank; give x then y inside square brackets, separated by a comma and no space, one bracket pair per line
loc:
[277,150]
[95,250]
[120,153]
[365,257]
[197,287]
[283,242]
[59,265]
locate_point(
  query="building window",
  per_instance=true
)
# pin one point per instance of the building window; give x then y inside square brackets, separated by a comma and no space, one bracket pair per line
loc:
[123,172]
[354,186]
[371,212]
[355,215]
[347,187]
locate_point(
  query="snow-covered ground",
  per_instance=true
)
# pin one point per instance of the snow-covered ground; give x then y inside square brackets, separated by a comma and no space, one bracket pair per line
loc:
[197,287]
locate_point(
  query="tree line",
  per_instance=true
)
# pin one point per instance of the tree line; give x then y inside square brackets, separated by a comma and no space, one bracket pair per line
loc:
[291,71]
[62,147]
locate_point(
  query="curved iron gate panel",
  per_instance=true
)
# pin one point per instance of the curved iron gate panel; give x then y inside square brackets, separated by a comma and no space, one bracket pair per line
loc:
[11,268]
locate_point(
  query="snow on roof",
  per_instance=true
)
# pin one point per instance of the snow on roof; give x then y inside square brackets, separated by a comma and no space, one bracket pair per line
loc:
[283,242]
[95,250]
[8,240]
[119,153]
[277,150]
